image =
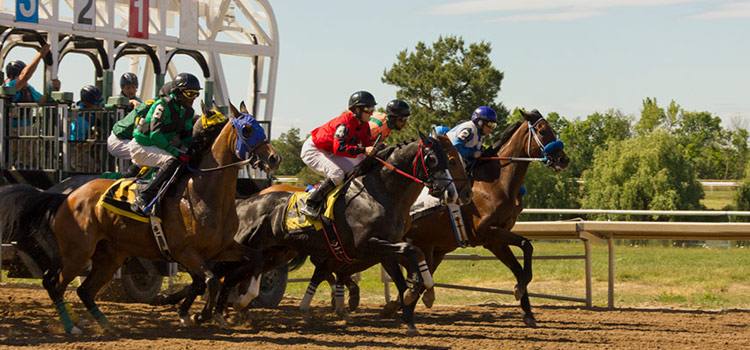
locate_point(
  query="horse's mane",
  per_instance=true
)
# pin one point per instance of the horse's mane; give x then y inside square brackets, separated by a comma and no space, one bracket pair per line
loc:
[504,138]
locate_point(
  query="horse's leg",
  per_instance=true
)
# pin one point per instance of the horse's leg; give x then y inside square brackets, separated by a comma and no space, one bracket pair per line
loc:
[434,258]
[353,288]
[503,252]
[104,264]
[213,284]
[319,275]
[253,269]
[196,267]
[392,267]
[55,286]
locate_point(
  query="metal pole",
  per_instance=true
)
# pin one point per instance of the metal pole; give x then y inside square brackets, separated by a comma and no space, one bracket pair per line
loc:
[587,249]
[611,273]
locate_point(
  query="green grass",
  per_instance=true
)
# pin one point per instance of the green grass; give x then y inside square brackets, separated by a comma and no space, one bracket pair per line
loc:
[719,198]
[651,276]
[645,277]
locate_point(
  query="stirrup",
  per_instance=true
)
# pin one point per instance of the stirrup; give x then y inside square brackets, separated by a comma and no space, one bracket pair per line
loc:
[310,210]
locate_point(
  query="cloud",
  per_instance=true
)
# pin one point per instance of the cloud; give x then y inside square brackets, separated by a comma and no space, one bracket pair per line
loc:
[549,17]
[724,11]
[467,7]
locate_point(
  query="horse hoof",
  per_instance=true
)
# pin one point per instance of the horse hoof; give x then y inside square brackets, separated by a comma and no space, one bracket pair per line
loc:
[75,331]
[410,297]
[428,298]
[186,321]
[519,292]
[390,309]
[220,321]
[530,321]
[412,331]
[353,302]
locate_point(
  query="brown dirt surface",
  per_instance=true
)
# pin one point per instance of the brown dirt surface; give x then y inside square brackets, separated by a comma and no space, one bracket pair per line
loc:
[28,319]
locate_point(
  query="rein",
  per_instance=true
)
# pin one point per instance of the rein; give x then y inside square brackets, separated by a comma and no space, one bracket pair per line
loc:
[412,177]
[532,132]
[240,163]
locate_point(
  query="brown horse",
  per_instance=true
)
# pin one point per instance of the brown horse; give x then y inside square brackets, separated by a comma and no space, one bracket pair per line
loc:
[198,216]
[495,206]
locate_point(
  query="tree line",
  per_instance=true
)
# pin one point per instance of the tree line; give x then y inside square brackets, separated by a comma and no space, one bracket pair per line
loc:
[651,161]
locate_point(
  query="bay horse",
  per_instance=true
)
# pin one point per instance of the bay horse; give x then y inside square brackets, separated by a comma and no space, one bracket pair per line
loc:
[495,206]
[370,217]
[197,214]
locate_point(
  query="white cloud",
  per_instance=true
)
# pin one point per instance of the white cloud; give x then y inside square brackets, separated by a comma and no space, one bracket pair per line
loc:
[482,6]
[549,17]
[724,11]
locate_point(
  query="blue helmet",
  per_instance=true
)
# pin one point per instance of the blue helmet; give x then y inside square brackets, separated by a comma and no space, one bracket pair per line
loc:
[484,113]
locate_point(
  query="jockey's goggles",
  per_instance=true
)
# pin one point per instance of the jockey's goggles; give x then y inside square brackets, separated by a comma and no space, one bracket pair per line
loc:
[490,125]
[368,109]
[191,93]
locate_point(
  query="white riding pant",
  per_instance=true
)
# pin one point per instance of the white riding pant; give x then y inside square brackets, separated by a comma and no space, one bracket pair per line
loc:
[327,164]
[120,149]
[151,156]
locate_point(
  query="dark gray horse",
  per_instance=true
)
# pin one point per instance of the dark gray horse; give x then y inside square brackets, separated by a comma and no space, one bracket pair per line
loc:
[370,219]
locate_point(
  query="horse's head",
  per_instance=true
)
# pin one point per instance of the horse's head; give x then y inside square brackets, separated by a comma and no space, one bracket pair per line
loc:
[543,142]
[461,186]
[250,140]
[431,165]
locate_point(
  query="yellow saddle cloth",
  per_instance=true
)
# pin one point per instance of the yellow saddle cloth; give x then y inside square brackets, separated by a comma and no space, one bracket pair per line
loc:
[119,197]
[295,221]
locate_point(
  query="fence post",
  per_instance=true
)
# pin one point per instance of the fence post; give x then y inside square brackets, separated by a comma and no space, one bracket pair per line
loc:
[611,273]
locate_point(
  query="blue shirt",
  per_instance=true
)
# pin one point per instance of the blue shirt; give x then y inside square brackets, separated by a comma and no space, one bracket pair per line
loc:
[79,127]
[467,140]
[27,94]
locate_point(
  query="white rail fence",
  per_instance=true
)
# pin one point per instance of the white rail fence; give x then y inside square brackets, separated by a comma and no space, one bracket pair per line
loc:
[609,231]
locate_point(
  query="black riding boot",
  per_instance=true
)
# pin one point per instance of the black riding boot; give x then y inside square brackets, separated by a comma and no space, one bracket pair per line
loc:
[314,202]
[147,194]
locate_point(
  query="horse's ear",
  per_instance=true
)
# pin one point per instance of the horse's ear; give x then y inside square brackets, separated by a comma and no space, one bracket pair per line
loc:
[424,139]
[243,109]
[233,109]
[204,109]
[532,116]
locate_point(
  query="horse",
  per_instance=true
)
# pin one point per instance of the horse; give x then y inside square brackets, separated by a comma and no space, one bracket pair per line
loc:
[370,217]
[196,213]
[496,204]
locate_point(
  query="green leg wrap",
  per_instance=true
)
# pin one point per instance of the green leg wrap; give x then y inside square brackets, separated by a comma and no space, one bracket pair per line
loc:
[99,316]
[67,322]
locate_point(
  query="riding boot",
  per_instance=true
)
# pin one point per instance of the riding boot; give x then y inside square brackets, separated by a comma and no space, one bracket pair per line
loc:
[314,202]
[147,194]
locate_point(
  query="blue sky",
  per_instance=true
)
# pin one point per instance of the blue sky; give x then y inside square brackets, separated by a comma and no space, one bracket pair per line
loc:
[574,57]
[569,56]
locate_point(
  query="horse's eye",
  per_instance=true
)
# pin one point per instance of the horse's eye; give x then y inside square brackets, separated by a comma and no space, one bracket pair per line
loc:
[431,160]
[247,131]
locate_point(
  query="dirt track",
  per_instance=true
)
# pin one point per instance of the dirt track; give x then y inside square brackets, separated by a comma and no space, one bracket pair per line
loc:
[27,319]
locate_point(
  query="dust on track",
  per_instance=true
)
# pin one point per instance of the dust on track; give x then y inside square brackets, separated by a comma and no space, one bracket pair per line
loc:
[28,319]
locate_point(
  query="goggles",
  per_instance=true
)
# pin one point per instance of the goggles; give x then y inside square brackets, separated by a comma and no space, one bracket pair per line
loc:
[191,93]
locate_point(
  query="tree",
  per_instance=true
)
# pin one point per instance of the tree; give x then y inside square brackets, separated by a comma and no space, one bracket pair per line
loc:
[583,138]
[550,189]
[289,146]
[445,83]
[652,117]
[644,172]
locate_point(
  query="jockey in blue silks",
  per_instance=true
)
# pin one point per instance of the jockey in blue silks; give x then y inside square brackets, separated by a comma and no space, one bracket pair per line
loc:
[467,136]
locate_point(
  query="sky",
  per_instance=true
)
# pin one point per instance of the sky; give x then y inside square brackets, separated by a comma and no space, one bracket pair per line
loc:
[574,57]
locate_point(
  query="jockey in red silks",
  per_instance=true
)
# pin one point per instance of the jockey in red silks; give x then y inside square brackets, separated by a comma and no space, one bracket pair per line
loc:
[336,147]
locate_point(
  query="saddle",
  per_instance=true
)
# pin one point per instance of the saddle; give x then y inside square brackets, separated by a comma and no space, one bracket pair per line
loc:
[119,197]
[295,221]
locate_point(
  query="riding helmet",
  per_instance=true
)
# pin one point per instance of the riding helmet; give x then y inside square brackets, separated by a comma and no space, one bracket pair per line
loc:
[186,81]
[484,113]
[91,94]
[128,79]
[398,108]
[362,99]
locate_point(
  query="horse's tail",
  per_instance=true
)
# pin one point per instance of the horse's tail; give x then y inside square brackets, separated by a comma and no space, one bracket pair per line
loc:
[297,261]
[25,215]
